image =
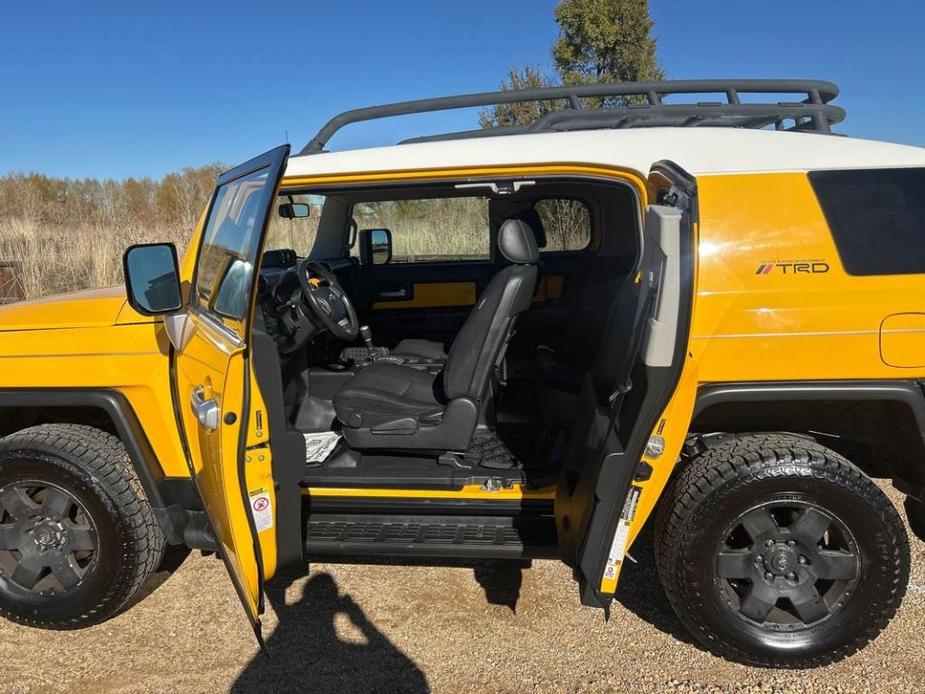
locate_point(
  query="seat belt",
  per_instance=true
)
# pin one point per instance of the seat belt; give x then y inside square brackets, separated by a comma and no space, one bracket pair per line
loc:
[647,285]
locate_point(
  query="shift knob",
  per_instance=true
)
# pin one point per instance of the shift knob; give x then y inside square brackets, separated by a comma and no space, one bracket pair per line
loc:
[367,336]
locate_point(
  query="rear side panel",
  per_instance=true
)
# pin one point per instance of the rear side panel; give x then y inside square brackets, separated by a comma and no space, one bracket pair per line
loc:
[774,301]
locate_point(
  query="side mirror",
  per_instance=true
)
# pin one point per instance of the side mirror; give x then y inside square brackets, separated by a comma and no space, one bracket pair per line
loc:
[152,278]
[375,246]
[294,210]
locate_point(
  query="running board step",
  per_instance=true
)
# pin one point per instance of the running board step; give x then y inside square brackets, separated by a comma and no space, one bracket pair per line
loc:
[520,537]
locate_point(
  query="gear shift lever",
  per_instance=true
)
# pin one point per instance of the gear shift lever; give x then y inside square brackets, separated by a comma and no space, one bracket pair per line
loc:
[367,336]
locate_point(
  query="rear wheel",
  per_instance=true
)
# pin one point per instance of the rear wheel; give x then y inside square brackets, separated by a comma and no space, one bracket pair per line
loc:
[774,550]
[77,535]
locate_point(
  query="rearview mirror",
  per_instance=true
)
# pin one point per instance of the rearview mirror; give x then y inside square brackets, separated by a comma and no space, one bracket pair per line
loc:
[152,278]
[375,246]
[294,210]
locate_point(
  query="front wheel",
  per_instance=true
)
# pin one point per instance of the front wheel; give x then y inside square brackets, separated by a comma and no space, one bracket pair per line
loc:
[776,551]
[77,535]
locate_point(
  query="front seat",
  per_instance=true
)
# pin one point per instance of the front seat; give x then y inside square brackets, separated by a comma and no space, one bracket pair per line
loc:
[417,348]
[387,405]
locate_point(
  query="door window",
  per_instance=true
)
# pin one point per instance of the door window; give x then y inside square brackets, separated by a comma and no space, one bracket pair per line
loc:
[430,230]
[230,243]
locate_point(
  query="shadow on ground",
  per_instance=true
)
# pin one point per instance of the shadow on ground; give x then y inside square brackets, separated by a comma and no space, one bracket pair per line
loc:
[641,591]
[174,556]
[501,581]
[325,642]
[307,652]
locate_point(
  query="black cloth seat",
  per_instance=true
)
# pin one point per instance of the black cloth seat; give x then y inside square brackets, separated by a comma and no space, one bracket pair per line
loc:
[388,405]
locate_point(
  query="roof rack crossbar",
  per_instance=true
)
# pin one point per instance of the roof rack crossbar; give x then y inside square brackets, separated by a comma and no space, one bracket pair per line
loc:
[734,113]
[669,115]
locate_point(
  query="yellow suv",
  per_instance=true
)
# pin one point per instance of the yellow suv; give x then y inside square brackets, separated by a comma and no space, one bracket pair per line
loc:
[509,344]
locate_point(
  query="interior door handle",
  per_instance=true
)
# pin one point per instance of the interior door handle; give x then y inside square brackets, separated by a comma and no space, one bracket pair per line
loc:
[402,293]
[206,411]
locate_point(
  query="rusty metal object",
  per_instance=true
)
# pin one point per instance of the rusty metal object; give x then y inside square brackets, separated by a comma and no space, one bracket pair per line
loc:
[11,286]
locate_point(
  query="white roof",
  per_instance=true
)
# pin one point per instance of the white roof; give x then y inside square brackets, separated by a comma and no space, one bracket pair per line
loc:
[700,151]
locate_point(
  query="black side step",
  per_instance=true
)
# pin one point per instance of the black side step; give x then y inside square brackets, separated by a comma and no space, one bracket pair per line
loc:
[479,537]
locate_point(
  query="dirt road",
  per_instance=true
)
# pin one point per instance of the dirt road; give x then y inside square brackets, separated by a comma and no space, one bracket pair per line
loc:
[356,628]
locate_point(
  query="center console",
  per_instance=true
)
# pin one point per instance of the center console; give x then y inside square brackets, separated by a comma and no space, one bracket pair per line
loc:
[354,358]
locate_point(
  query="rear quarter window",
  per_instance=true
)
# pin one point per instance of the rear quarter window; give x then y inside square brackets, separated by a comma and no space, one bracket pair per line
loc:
[567,224]
[876,217]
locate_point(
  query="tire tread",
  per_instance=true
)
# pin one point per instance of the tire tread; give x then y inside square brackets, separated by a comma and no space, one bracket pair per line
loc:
[102,457]
[725,464]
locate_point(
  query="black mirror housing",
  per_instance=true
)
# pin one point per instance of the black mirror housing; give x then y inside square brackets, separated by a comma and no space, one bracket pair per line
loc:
[375,246]
[152,278]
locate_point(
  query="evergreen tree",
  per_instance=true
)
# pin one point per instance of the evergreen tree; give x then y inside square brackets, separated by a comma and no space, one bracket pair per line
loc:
[599,41]
[501,115]
[605,41]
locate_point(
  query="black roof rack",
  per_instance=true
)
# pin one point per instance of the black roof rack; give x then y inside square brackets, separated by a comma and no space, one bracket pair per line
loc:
[812,114]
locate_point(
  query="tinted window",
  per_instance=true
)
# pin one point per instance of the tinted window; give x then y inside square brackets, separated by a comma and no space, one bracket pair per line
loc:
[230,243]
[877,218]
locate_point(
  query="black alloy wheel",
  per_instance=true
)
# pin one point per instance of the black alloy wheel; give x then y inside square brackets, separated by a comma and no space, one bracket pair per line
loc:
[48,541]
[787,565]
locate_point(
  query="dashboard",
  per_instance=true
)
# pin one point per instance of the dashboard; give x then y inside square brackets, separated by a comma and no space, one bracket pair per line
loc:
[279,291]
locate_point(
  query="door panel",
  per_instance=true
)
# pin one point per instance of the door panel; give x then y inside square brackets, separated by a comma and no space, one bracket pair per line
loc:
[420,300]
[634,407]
[425,295]
[212,365]
[214,388]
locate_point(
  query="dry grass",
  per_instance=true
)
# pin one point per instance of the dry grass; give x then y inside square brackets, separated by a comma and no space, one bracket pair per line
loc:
[59,258]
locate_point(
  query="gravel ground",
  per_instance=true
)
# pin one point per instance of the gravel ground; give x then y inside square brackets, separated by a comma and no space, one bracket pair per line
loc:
[487,627]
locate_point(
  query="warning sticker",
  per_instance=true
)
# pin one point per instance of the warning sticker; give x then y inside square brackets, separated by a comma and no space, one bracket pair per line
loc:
[261,509]
[618,546]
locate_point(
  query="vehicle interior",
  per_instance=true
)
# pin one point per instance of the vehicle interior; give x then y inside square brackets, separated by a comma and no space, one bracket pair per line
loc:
[444,331]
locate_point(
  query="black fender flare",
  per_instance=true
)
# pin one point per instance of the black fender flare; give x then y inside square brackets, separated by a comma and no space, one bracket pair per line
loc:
[906,393]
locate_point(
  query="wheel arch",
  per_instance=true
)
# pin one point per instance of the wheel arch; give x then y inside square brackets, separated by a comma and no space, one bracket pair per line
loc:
[109,410]
[878,425]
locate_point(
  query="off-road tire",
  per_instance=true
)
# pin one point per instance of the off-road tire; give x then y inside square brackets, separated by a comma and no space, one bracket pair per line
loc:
[94,467]
[731,474]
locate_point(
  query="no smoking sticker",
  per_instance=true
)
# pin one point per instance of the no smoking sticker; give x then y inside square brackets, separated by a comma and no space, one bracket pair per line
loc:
[261,509]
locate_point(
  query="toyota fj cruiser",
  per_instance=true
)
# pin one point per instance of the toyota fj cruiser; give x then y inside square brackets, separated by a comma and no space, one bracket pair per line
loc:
[507,343]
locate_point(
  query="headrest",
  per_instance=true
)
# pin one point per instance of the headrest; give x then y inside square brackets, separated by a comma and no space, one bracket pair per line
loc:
[532,217]
[517,243]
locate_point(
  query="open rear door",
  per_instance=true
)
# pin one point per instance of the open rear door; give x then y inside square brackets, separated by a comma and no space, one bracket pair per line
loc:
[635,406]
[215,395]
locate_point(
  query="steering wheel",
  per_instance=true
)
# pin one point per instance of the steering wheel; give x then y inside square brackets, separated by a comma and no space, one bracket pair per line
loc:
[327,299]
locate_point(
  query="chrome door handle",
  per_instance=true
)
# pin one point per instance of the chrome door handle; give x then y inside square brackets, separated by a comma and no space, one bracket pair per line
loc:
[402,293]
[206,411]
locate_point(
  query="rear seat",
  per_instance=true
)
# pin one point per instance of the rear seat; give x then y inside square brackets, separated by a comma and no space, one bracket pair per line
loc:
[560,369]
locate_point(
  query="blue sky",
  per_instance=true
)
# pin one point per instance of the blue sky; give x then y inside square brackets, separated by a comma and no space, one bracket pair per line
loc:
[116,89]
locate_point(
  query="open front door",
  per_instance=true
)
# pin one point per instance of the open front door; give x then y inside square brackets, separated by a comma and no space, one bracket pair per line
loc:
[214,391]
[635,406]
